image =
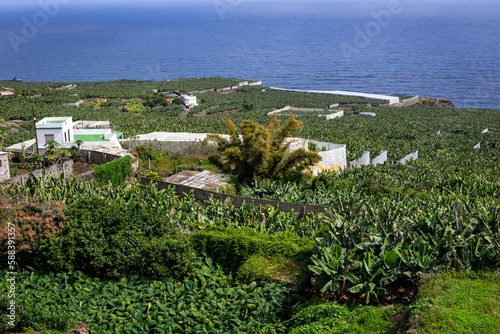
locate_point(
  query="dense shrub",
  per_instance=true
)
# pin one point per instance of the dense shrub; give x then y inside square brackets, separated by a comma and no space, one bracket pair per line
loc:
[117,237]
[231,246]
[146,152]
[115,171]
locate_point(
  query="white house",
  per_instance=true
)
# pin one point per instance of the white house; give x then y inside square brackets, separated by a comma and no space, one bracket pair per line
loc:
[189,100]
[4,166]
[65,132]
[59,129]
[6,92]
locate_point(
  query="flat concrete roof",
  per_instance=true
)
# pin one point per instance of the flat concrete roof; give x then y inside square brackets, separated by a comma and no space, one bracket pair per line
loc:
[107,150]
[201,180]
[19,146]
[173,136]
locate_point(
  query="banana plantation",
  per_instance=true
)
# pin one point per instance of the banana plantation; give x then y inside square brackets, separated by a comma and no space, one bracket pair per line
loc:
[122,257]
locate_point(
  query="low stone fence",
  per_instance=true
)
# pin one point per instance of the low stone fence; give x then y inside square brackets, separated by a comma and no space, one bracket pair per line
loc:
[204,195]
[55,170]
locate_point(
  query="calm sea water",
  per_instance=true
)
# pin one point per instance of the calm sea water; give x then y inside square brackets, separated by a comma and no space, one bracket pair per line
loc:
[445,50]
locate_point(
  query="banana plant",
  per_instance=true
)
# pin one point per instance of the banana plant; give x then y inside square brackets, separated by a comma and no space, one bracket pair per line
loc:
[333,266]
[376,272]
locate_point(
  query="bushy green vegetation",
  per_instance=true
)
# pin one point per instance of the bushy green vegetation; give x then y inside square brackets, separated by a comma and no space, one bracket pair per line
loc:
[230,246]
[208,302]
[115,171]
[334,318]
[263,152]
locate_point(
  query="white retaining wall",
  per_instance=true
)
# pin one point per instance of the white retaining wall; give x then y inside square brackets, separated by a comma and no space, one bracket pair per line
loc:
[335,115]
[333,159]
[391,99]
[361,161]
[380,159]
[411,156]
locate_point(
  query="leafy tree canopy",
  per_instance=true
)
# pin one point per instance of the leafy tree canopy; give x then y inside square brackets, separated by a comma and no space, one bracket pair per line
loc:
[260,152]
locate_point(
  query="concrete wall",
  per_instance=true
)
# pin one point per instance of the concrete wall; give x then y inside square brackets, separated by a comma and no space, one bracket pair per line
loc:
[204,195]
[333,159]
[4,166]
[361,161]
[335,115]
[75,104]
[412,100]
[96,157]
[380,159]
[55,170]
[410,156]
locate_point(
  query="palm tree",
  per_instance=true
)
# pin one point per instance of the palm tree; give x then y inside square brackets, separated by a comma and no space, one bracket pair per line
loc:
[78,143]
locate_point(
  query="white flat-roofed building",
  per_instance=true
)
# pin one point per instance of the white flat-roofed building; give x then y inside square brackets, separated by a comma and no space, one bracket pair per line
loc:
[63,131]
[59,129]
[189,100]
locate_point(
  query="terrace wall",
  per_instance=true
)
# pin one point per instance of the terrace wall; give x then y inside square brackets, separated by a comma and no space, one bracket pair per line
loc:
[204,195]
[55,170]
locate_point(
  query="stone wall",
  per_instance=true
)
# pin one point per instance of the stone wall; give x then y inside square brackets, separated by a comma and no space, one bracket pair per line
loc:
[204,195]
[55,170]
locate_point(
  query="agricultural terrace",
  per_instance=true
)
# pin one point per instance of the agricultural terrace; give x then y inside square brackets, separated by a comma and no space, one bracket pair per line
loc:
[410,247]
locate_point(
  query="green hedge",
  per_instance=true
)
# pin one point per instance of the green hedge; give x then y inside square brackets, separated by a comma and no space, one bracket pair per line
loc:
[231,246]
[115,171]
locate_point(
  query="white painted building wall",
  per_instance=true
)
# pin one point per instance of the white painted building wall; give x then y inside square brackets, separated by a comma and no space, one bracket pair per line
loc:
[4,166]
[62,132]
[189,100]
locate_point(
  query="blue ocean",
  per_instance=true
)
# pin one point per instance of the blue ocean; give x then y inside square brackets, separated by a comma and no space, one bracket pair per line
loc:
[443,49]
